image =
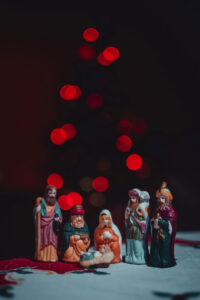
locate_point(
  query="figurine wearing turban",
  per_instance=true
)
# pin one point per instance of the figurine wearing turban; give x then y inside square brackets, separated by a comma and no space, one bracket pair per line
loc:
[163,230]
[136,221]
[75,236]
[108,234]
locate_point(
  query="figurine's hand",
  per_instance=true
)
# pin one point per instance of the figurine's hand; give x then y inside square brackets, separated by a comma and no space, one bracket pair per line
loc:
[156,226]
[56,219]
[107,235]
[86,240]
[77,237]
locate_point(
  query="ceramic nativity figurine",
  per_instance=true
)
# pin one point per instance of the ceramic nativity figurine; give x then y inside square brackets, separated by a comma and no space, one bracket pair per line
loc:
[75,236]
[48,218]
[136,222]
[108,235]
[163,230]
[97,259]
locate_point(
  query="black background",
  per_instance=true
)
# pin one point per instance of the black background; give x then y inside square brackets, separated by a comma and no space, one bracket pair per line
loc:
[156,77]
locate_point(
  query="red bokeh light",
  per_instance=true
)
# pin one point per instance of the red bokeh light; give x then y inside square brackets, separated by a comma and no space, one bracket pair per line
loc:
[102,61]
[90,34]
[144,171]
[134,162]
[124,143]
[75,197]
[100,184]
[94,100]
[111,54]
[139,125]
[65,202]
[56,180]
[70,130]
[125,126]
[58,136]
[70,92]
[86,52]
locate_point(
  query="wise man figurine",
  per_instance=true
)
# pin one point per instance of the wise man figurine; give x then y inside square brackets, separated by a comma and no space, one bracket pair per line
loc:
[163,230]
[108,235]
[48,218]
[76,238]
[136,222]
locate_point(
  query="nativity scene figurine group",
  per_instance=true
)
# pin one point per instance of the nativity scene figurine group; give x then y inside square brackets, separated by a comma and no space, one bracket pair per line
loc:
[140,225]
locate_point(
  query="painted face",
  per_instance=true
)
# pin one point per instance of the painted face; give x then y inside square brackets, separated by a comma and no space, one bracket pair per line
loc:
[50,196]
[105,221]
[77,221]
[134,202]
[163,201]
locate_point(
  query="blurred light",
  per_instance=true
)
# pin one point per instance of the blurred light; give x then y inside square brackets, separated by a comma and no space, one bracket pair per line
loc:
[55,180]
[102,61]
[86,184]
[58,136]
[70,130]
[86,52]
[100,184]
[94,100]
[103,165]
[134,162]
[70,92]
[75,197]
[139,125]
[90,34]
[111,54]
[125,126]
[144,171]
[124,143]
[97,199]
[65,203]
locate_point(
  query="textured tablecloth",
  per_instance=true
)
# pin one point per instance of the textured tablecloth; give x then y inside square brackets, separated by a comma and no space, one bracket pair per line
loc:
[119,281]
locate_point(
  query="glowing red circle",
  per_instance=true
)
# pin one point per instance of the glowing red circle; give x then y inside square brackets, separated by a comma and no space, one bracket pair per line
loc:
[58,136]
[125,126]
[90,34]
[111,54]
[102,61]
[75,197]
[134,162]
[124,143]
[68,92]
[86,52]
[55,180]
[65,203]
[70,130]
[139,125]
[94,100]
[100,184]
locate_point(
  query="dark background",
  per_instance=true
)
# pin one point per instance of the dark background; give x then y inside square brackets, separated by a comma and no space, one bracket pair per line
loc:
[156,77]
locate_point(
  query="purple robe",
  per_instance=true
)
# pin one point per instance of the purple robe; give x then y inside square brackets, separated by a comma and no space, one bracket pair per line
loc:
[48,236]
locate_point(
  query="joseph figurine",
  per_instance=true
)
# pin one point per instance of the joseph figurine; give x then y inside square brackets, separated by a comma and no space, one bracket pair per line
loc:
[48,217]
[75,236]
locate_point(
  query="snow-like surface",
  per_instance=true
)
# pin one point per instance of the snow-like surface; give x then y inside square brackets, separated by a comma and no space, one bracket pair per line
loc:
[120,281]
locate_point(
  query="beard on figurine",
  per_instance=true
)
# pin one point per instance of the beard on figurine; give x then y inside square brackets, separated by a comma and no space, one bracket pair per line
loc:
[163,230]
[75,236]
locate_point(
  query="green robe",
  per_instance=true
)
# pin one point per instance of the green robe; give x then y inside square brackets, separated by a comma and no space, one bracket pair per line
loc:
[69,230]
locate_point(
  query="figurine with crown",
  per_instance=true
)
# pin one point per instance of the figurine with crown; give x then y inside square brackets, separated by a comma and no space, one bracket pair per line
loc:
[163,230]
[76,238]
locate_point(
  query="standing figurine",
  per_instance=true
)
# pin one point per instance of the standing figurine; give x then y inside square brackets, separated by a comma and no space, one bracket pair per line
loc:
[136,221]
[48,218]
[108,234]
[163,230]
[75,235]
